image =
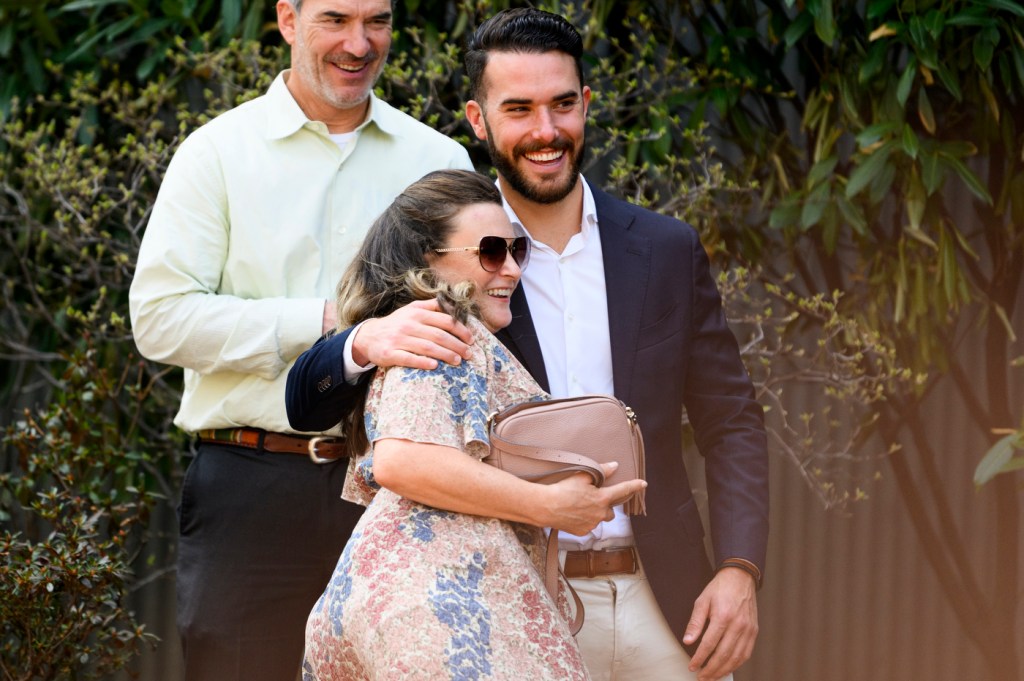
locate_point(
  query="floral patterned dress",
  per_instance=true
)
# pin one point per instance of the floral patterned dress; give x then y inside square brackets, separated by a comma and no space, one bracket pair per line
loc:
[421,593]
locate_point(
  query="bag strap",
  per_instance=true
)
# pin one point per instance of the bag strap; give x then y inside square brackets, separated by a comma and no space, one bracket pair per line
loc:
[552,570]
[574,463]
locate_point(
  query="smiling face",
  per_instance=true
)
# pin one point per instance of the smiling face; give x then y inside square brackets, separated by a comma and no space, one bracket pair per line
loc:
[339,48]
[532,113]
[493,289]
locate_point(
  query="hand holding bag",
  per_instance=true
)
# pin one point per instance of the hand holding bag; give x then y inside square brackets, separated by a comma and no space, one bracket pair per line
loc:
[549,440]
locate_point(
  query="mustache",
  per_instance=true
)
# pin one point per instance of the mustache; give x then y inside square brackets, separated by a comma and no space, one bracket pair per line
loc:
[346,59]
[560,143]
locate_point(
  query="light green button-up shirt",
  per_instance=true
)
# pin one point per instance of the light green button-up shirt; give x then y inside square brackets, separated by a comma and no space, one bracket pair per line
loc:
[258,215]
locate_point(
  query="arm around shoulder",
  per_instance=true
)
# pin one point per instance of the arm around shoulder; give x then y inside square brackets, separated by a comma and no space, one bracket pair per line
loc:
[317,394]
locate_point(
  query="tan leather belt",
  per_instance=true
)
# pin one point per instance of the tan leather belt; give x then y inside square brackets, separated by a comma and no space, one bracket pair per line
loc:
[597,563]
[320,449]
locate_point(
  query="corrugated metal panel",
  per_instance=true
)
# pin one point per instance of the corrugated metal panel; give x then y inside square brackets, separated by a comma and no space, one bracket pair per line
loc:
[852,598]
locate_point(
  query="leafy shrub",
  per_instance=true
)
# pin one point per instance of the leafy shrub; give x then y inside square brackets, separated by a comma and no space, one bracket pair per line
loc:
[90,35]
[83,472]
[80,501]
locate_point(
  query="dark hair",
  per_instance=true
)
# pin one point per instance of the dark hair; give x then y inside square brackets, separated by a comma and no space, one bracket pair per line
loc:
[522,29]
[391,268]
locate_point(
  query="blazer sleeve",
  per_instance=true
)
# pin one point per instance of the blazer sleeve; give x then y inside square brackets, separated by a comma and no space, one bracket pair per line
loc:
[317,394]
[728,425]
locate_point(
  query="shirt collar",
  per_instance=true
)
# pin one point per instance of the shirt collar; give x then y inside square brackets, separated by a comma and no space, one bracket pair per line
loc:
[286,117]
[588,224]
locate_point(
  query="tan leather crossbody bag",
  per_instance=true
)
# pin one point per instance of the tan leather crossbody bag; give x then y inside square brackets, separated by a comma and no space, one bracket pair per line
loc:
[548,440]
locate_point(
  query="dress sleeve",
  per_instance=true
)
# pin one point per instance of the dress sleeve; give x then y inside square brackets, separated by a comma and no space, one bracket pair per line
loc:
[445,406]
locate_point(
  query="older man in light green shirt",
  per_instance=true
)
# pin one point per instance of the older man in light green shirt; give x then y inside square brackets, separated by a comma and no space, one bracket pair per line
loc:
[259,213]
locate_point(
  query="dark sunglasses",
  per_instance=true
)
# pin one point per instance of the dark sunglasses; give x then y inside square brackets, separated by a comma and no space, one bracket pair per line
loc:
[494,249]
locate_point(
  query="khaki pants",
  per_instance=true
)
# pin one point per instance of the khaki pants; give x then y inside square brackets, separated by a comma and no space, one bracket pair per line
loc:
[624,635]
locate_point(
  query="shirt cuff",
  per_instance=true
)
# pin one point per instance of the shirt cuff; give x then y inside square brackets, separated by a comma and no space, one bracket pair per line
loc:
[352,370]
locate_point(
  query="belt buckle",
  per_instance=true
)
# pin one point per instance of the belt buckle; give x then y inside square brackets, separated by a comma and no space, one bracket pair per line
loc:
[313,442]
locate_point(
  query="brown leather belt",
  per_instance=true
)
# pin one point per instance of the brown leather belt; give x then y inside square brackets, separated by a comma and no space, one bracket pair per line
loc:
[597,563]
[321,449]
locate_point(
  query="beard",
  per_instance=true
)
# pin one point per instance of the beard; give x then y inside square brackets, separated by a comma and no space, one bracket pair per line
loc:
[546,192]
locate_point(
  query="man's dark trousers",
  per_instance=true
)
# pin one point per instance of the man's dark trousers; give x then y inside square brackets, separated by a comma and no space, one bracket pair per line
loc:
[251,517]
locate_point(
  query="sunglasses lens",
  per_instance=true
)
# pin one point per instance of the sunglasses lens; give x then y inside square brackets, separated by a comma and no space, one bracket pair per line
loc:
[521,251]
[493,250]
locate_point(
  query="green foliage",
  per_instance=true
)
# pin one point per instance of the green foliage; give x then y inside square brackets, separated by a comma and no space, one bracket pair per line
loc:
[794,344]
[74,503]
[1005,456]
[894,147]
[83,473]
[885,137]
[90,35]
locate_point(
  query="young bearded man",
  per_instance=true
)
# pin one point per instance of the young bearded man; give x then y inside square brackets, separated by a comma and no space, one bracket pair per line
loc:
[618,299]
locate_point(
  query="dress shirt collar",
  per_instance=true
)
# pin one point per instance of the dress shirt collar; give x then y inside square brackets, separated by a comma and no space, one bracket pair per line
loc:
[286,117]
[588,225]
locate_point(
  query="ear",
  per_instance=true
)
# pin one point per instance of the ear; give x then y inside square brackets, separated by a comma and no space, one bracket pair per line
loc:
[586,100]
[475,116]
[286,20]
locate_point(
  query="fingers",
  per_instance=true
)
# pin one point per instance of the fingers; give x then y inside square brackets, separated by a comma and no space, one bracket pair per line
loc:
[694,628]
[330,317]
[417,335]
[706,661]
[729,607]
[733,649]
[576,505]
[444,320]
[410,360]
[624,491]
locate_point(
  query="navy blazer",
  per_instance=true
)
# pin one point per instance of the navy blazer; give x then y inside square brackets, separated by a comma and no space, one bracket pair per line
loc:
[671,348]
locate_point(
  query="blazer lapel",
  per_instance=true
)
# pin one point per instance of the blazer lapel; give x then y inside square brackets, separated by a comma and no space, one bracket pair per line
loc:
[520,337]
[627,258]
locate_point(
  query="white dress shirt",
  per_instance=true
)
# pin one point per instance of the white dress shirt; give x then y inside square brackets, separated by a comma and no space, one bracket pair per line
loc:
[259,214]
[569,308]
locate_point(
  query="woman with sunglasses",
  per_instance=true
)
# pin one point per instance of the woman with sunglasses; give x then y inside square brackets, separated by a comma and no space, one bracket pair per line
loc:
[421,592]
